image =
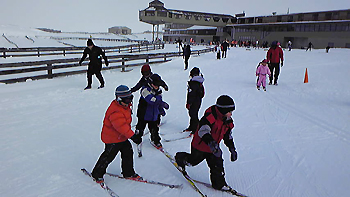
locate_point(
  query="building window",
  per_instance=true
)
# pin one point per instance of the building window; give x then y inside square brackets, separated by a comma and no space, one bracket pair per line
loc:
[333,27]
[216,19]
[315,17]
[335,16]
[348,15]
[290,18]
[328,16]
[300,17]
[279,18]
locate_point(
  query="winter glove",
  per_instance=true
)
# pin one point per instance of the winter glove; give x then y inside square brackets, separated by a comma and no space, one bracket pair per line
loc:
[162,111]
[136,139]
[233,155]
[165,105]
[215,149]
[107,64]
[166,88]
[282,64]
[188,106]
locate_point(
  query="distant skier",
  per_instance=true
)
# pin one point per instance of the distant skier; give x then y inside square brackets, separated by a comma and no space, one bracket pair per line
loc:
[224,46]
[215,125]
[186,54]
[116,131]
[309,46]
[274,55]
[218,51]
[289,45]
[195,93]
[95,64]
[150,106]
[262,71]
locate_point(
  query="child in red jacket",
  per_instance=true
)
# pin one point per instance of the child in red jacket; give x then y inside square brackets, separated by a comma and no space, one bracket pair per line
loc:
[216,125]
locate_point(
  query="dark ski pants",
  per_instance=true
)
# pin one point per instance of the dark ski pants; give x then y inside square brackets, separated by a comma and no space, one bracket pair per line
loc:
[98,75]
[193,113]
[152,126]
[276,67]
[108,155]
[187,57]
[224,52]
[217,173]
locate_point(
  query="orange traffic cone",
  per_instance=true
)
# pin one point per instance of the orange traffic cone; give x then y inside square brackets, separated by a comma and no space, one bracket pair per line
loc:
[306,78]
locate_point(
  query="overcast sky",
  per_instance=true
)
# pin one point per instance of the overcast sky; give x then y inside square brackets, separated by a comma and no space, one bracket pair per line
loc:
[98,16]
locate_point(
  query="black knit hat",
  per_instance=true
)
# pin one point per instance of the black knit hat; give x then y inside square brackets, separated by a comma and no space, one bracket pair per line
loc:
[155,79]
[225,104]
[194,72]
[89,42]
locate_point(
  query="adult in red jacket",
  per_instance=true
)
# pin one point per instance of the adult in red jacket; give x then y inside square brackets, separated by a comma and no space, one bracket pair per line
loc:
[274,55]
[115,133]
[214,126]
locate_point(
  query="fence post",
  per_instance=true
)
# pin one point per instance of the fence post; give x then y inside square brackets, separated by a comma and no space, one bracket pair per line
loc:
[38,52]
[147,46]
[4,54]
[119,49]
[154,46]
[64,52]
[130,49]
[139,48]
[164,57]
[147,59]
[49,71]
[123,64]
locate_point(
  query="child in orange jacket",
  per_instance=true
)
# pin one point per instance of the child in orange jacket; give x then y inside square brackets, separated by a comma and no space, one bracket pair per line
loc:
[115,133]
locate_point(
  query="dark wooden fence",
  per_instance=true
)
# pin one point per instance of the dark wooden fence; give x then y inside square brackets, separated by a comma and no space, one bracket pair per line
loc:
[63,67]
[44,51]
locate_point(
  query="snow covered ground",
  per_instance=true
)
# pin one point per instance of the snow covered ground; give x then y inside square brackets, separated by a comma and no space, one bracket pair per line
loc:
[292,140]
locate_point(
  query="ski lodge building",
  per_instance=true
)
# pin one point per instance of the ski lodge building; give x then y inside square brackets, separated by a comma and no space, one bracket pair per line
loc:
[324,28]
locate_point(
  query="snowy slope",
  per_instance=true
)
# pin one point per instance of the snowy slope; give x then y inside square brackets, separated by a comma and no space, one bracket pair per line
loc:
[292,140]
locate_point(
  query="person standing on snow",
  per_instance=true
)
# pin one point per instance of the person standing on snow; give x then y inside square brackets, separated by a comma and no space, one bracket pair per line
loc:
[261,72]
[274,55]
[116,131]
[95,64]
[145,80]
[289,45]
[186,54]
[195,93]
[215,125]
[150,106]
[224,47]
[309,46]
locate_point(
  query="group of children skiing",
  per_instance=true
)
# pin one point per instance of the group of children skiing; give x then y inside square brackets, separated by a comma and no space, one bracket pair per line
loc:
[216,125]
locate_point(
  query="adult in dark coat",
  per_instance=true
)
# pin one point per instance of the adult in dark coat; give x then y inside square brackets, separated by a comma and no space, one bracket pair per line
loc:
[95,64]
[215,125]
[309,46]
[186,54]
[225,46]
[274,58]
[195,93]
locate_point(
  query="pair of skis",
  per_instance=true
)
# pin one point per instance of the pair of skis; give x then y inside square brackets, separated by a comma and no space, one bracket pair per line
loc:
[193,181]
[141,180]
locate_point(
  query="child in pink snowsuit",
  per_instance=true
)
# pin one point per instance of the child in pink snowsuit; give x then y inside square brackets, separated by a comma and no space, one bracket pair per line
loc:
[262,71]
